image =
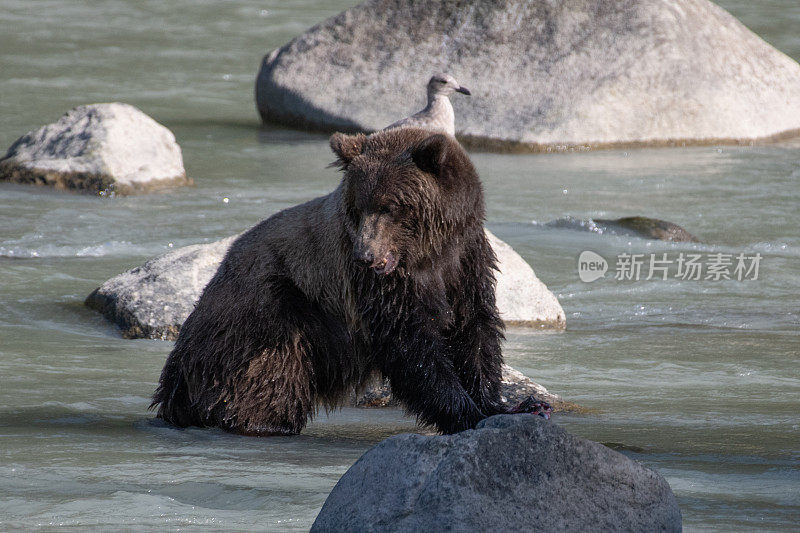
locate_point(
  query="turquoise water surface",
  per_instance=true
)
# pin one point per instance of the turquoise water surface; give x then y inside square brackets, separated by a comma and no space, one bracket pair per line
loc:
[697,379]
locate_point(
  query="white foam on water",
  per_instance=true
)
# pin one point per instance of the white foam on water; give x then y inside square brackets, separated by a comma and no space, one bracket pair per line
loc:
[110,248]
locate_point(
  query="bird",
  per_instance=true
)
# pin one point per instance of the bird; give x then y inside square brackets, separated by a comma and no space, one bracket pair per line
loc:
[438,114]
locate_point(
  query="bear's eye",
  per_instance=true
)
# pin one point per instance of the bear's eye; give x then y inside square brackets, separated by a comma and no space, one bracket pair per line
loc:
[384,210]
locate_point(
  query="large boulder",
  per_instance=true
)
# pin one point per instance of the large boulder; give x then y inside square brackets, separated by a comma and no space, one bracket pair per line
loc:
[153,300]
[105,149]
[512,473]
[543,75]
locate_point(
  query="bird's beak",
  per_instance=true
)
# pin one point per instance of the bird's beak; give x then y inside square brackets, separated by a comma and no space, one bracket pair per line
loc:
[463,90]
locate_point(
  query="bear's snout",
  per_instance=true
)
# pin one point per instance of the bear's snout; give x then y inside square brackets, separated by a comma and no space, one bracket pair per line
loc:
[386,264]
[363,254]
[382,263]
[373,244]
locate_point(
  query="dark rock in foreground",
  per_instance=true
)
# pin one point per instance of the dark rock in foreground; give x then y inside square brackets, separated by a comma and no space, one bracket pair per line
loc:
[512,473]
[543,75]
[647,228]
[104,149]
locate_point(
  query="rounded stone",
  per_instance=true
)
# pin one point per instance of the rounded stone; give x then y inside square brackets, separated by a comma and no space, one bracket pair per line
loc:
[105,149]
[543,75]
[511,473]
[153,300]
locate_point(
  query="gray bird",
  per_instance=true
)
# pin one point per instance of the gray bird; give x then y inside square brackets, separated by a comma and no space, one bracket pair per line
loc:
[438,114]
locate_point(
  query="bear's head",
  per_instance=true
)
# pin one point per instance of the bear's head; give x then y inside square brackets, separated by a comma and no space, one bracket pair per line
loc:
[411,198]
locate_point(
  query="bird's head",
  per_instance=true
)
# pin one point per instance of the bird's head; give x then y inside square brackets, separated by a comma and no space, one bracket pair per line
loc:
[445,84]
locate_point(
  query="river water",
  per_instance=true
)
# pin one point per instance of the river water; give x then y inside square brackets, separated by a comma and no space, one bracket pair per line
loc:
[697,379]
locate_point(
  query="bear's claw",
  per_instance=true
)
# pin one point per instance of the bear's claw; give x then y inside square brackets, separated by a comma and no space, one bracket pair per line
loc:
[533,406]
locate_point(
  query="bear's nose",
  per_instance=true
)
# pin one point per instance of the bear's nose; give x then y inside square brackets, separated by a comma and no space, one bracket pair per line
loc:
[364,255]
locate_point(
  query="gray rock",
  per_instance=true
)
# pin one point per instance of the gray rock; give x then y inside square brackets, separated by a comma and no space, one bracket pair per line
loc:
[153,300]
[512,473]
[516,387]
[522,298]
[105,149]
[543,75]
[647,228]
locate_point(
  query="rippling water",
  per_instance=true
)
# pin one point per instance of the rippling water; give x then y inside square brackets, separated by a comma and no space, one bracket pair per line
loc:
[697,379]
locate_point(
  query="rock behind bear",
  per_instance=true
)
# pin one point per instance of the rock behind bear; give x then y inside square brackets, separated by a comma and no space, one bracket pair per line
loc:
[544,76]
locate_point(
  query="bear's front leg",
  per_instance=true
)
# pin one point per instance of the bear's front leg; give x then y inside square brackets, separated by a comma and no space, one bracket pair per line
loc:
[419,367]
[478,361]
[477,333]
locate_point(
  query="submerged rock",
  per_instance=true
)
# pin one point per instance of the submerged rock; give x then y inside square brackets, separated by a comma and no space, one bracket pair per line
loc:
[153,300]
[543,75]
[516,387]
[511,473]
[647,228]
[104,149]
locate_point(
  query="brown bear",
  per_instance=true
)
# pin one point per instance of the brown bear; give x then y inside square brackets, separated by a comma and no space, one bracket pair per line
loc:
[389,273]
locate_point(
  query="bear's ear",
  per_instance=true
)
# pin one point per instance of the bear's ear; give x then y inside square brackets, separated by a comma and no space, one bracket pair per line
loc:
[430,154]
[346,147]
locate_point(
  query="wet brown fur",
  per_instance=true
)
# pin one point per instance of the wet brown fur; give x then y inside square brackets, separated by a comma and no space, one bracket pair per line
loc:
[300,311]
